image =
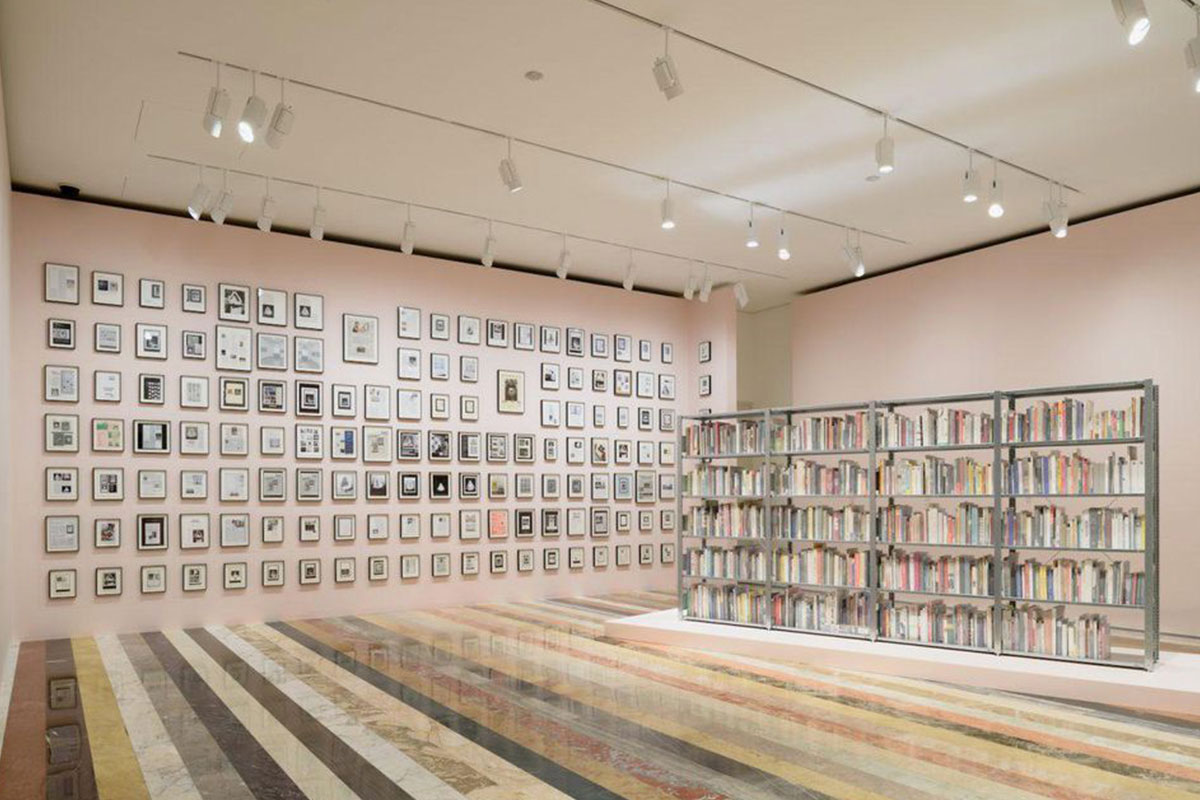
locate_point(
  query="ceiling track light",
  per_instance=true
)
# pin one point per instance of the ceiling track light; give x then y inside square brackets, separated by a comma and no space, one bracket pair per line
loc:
[784,251]
[751,233]
[564,260]
[489,248]
[317,229]
[1191,55]
[706,286]
[972,181]
[253,115]
[1055,210]
[217,108]
[200,197]
[996,194]
[885,151]
[1132,17]
[741,295]
[508,171]
[668,210]
[854,254]
[282,119]
[408,239]
[665,73]
[630,271]
[689,286]
[266,216]
[224,205]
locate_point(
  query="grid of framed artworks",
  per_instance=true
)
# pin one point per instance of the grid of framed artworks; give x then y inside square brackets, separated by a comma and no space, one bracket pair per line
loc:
[557,440]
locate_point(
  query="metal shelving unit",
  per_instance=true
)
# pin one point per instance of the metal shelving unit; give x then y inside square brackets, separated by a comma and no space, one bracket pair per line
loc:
[875,453]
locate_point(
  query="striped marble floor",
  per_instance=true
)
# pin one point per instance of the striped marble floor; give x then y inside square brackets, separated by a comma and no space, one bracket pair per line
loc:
[529,700]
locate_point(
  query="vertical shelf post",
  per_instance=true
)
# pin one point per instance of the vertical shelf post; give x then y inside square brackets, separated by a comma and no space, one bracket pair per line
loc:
[997,527]
[679,456]
[768,526]
[1150,443]
[873,526]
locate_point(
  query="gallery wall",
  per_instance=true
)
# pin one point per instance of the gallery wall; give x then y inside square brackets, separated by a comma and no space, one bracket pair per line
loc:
[1115,300]
[764,368]
[352,280]
[6,527]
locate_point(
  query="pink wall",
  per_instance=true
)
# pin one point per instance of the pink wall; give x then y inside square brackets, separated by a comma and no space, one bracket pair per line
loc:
[352,279]
[6,527]
[1116,300]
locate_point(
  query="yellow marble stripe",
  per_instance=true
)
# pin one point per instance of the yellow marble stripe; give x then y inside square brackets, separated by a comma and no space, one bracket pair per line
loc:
[118,775]
[1080,777]
[307,771]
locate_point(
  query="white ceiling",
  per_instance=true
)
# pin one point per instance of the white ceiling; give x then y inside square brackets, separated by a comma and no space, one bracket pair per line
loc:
[1051,86]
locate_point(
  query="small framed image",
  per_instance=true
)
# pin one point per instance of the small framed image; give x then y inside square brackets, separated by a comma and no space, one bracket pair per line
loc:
[624,555]
[667,353]
[408,404]
[550,559]
[408,322]
[62,534]
[408,485]
[234,575]
[309,484]
[309,529]
[343,442]
[645,554]
[62,284]
[551,339]
[408,363]
[193,484]
[152,484]
[523,336]
[645,350]
[468,329]
[106,337]
[439,486]
[308,311]
[234,303]
[498,562]
[439,446]
[600,556]
[705,385]
[523,448]
[408,444]
[575,558]
[666,553]
[195,345]
[468,369]
[108,483]
[551,376]
[666,387]
[61,584]
[470,524]
[575,342]
[600,381]
[576,414]
[108,288]
[61,433]
[525,560]
[272,574]
[60,384]
[272,350]
[378,527]
[271,529]
[60,334]
[550,449]
[645,384]
[468,563]
[376,444]
[360,339]
[497,448]
[599,345]
[344,527]
[152,293]
[152,389]
[523,517]
[151,531]
[154,578]
[271,440]
[272,396]
[377,568]
[497,333]
[194,533]
[622,347]
[272,307]
[468,446]
[600,521]
[410,567]
[234,484]
[308,354]
[235,530]
[439,564]
[497,523]
[235,439]
[193,391]
[576,522]
[272,484]
[510,391]
[308,398]
[108,581]
[377,402]
[551,486]
[623,520]
[439,525]
[343,400]
[310,571]
[468,408]
[233,348]
[106,533]
[622,383]
[235,394]
[195,298]
[439,327]
[439,366]
[344,484]
[575,378]
[195,577]
[344,569]
[705,351]
[151,436]
[410,526]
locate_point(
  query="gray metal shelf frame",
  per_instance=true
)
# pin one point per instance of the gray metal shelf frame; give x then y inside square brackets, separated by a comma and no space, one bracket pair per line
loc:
[1000,401]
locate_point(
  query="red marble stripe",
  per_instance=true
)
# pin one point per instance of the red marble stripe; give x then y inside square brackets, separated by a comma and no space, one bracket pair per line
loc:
[23,759]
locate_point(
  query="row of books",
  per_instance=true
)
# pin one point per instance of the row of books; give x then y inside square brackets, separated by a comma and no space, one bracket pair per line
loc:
[922,572]
[737,563]
[1031,629]
[722,437]
[841,612]
[1070,419]
[1058,473]
[968,523]
[723,480]
[1076,581]
[932,475]
[1099,528]
[822,566]
[726,603]
[814,478]
[847,432]
[821,523]
[934,427]
[727,520]
[961,625]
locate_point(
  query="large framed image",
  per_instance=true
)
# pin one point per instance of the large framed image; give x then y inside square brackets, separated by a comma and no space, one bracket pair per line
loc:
[360,339]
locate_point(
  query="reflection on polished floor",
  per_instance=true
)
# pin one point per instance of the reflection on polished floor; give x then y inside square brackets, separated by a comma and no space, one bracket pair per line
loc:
[528,700]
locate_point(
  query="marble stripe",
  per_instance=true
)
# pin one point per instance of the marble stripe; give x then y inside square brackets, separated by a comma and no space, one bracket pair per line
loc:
[165,774]
[118,774]
[23,757]
[474,771]
[321,642]
[240,742]
[8,672]
[393,774]
[213,775]
[72,770]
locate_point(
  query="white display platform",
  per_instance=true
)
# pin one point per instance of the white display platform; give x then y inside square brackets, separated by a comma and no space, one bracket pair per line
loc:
[1172,686]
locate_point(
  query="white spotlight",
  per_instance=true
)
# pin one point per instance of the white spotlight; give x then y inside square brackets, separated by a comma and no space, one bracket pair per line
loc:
[564,260]
[224,205]
[1056,214]
[668,210]
[885,151]
[740,294]
[784,251]
[689,286]
[200,197]
[317,229]
[254,114]
[854,254]
[508,172]
[282,119]
[630,270]
[489,248]
[706,287]
[1132,16]
[665,73]
[217,108]
[1191,55]
[972,182]
[266,217]
[996,196]
[751,233]
[860,265]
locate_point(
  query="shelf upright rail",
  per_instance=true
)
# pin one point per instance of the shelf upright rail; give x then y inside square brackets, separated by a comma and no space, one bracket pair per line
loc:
[768,526]
[874,528]
[998,509]
[1150,502]
[680,456]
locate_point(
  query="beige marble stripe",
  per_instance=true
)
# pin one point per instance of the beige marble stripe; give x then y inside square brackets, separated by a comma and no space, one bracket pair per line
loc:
[312,776]
[472,770]
[162,767]
[8,673]
[118,774]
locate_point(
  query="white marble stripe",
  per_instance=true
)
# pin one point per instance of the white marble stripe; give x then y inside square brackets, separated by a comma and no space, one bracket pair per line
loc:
[7,674]
[309,774]
[395,764]
[163,769]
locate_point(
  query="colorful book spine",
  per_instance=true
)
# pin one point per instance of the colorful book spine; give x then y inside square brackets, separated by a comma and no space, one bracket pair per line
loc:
[733,563]
[1059,473]
[921,572]
[839,612]
[935,427]
[1030,629]
[802,477]
[935,476]
[743,604]
[848,432]
[822,566]
[1068,580]
[722,438]
[1094,528]
[709,481]
[1069,420]
[961,625]
[820,523]
[741,520]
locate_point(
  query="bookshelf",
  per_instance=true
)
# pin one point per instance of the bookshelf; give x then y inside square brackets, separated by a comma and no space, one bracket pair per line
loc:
[1013,522]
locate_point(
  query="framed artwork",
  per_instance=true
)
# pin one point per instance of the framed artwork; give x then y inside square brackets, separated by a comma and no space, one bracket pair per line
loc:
[439,525]
[308,354]
[468,446]
[151,531]
[272,307]
[62,284]
[468,369]
[376,444]
[523,519]
[468,408]
[410,526]
[272,350]
[62,534]
[666,553]
[195,345]
[510,391]
[468,485]
[343,442]
[233,348]
[234,303]
[193,484]
[152,484]
[497,333]
[108,483]
[645,350]
[108,435]
[408,485]
[195,577]
[410,567]
[470,524]
[408,363]
[108,288]
[377,403]
[344,570]
[525,560]
[108,581]
[550,559]
[61,433]
[151,436]
[272,396]
[575,558]
[194,533]
[622,347]
[550,449]
[235,439]
[193,391]
[308,484]
[551,339]
[151,389]
[234,484]
[344,484]
[272,530]
[439,446]
[60,334]
[308,311]
[497,523]
[439,327]
[439,366]
[440,565]
[666,387]
[150,341]
[235,394]
[344,527]
[308,398]
[272,484]
[645,554]
[106,337]
[235,530]
[705,351]
[498,562]
[551,522]
[468,329]
[600,557]
[439,485]
[599,345]
[378,529]
[523,336]
[234,575]
[468,562]
[705,385]
[272,574]
[408,404]
[377,568]
[194,298]
[667,353]
[360,339]
[61,584]
[271,440]
[60,384]
[309,529]
[343,400]
[151,293]
[575,378]
[576,414]
[575,342]
[310,571]
[408,322]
